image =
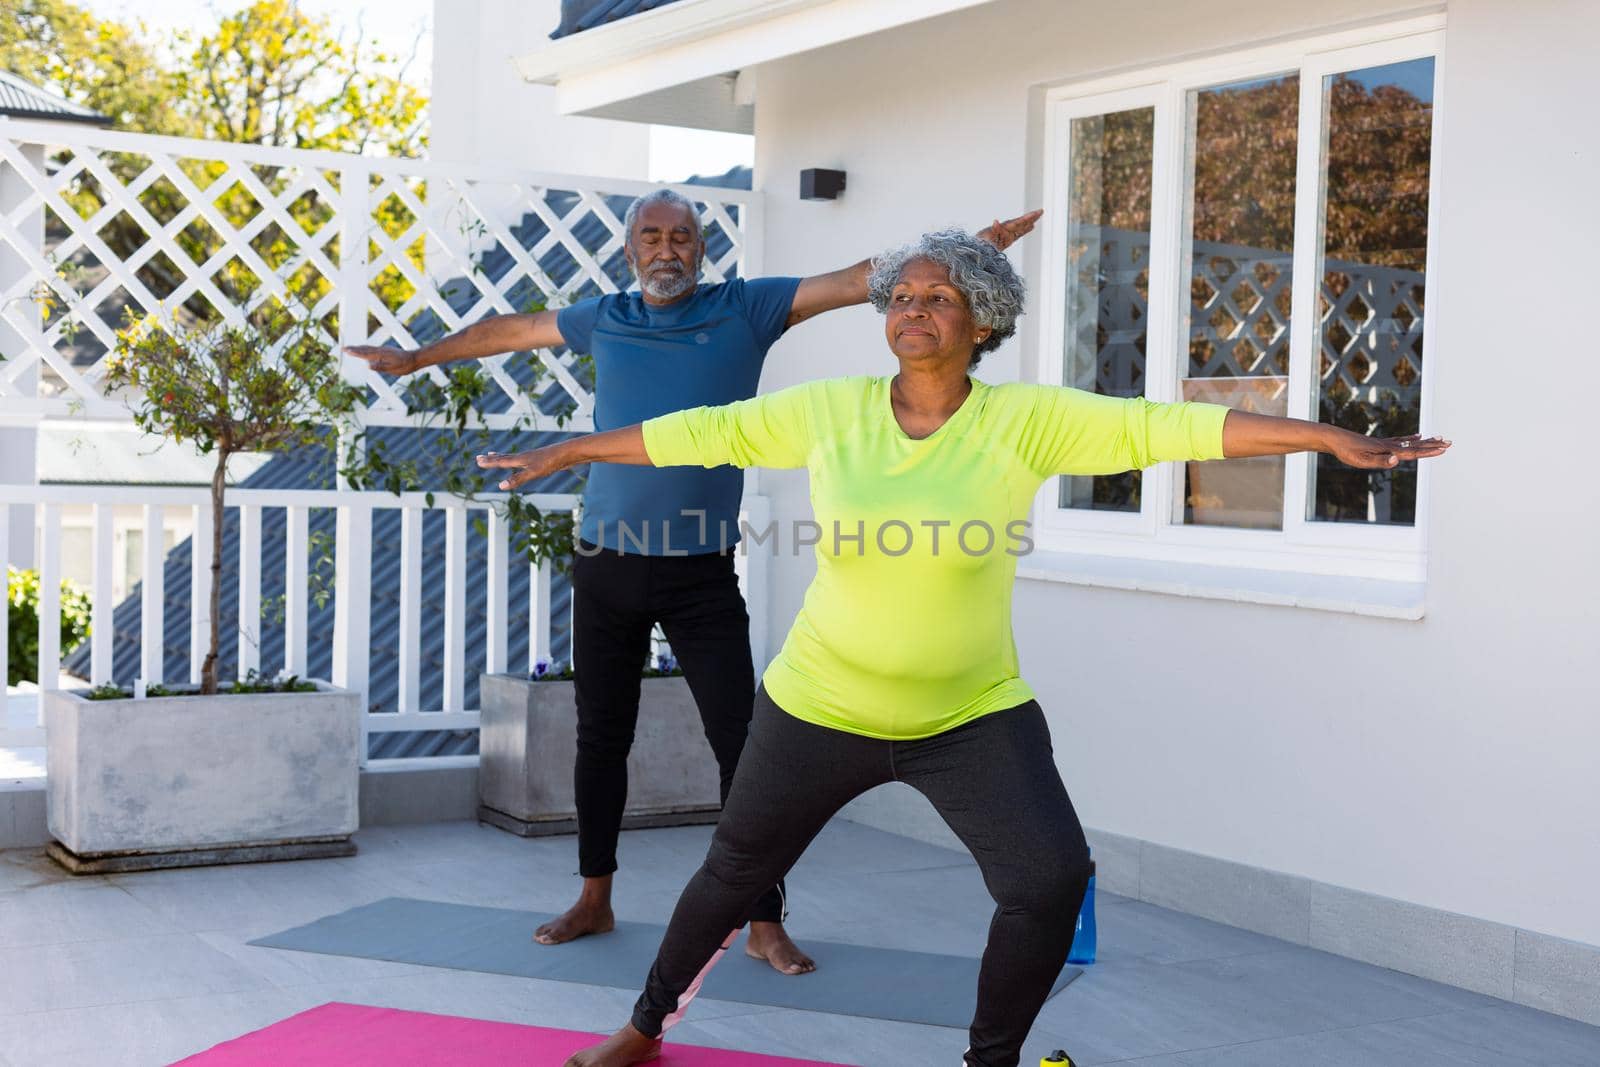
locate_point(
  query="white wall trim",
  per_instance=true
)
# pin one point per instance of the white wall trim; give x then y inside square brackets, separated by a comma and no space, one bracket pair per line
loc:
[694,39]
[638,35]
[1376,597]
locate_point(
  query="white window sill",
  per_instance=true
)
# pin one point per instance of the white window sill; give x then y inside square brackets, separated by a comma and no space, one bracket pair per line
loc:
[1318,592]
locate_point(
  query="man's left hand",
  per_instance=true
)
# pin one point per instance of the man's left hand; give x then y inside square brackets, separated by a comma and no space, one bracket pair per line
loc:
[1005,234]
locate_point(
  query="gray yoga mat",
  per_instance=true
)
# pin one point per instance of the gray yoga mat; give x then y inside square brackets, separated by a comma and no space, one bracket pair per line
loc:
[878,983]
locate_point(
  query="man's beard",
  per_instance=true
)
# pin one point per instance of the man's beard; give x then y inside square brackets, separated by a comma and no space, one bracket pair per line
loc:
[668,283]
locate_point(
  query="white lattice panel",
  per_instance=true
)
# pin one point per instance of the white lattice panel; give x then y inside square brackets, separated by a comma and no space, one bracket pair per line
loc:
[375,251]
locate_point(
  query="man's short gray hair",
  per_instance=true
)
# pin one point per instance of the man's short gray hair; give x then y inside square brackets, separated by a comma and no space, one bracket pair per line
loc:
[660,196]
[979,270]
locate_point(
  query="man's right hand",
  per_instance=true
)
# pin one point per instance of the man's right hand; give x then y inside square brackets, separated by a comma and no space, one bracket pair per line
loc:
[487,337]
[385,360]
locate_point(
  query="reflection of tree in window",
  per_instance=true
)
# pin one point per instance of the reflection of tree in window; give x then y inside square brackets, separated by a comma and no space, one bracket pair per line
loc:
[1108,290]
[1375,220]
[1241,225]
[1242,159]
[1244,163]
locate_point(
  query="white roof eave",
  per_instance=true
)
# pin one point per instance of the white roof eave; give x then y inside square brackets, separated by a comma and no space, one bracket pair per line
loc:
[691,40]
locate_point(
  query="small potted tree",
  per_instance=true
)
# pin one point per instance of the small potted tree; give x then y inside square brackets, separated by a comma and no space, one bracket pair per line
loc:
[528,744]
[225,772]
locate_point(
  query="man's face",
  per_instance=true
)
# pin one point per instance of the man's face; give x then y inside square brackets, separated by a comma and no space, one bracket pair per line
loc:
[664,251]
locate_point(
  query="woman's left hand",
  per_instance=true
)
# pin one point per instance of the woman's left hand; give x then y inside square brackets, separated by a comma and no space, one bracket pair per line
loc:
[1005,234]
[528,465]
[1379,453]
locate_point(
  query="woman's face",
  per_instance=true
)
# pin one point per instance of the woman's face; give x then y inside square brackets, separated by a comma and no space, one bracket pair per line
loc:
[928,318]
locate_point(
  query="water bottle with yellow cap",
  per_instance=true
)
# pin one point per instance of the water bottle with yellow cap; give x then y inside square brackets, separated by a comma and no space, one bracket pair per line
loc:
[1056,1059]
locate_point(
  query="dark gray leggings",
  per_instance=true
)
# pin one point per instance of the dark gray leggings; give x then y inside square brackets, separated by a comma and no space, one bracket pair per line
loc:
[994,781]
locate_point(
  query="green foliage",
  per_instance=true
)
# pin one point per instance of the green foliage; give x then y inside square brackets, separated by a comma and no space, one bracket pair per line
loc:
[99,63]
[544,671]
[272,74]
[1244,181]
[268,386]
[269,73]
[253,682]
[22,615]
[538,535]
[655,666]
[321,578]
[664,667]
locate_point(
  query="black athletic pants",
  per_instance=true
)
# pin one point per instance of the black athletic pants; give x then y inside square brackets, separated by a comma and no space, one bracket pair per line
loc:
[994,781]
[617,600]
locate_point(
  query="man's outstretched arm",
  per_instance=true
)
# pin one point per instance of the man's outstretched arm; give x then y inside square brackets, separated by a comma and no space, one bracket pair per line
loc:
[487,337]
[842,288]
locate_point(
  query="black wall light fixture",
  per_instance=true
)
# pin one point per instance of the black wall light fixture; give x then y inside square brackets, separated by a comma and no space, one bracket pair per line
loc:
[817,184]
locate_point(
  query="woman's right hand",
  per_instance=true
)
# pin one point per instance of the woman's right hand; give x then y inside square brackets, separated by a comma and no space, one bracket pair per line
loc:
[1379,453]
[528,465]
[385,360]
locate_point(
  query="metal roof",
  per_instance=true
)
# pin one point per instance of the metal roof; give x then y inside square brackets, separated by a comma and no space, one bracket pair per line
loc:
[312,469]
[22,99]
[580,15]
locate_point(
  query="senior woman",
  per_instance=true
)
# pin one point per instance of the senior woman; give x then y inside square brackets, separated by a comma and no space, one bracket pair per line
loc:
[901,664]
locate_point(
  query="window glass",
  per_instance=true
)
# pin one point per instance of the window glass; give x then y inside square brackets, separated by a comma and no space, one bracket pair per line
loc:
[1236,286]
[1108,277]
[1377,133]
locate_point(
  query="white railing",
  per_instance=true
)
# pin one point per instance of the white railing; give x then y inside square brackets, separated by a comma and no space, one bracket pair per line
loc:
[352,632]
[97,224]
[352,635]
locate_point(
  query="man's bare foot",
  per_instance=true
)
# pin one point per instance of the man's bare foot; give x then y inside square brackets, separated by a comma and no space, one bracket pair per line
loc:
[769,941]
[624,1048]
[590,915]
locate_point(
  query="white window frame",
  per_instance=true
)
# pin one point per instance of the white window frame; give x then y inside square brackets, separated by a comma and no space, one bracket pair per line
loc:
[1383,553]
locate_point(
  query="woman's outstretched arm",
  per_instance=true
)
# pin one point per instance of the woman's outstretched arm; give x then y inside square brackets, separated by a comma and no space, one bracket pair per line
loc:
[1245,434]
[610,446]
[1069,431]
[771,430]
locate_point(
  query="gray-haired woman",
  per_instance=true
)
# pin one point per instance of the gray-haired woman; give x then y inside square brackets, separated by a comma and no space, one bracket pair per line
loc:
[901,665]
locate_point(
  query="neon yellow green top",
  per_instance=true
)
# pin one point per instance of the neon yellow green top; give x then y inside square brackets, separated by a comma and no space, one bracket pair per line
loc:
[906,630]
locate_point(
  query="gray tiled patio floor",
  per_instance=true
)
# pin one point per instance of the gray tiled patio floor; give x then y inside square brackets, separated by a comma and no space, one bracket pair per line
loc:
[145,969]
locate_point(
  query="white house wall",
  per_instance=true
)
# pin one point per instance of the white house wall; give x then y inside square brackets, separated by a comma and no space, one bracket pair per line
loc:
[19,443]
[1452,762]
[483,112]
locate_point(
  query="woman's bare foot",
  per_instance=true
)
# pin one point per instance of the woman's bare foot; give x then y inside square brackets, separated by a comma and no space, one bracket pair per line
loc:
[624,1048]
[769,941]
[590,915]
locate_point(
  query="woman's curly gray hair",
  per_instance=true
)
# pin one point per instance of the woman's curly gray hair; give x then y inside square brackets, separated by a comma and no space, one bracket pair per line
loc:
[981,272]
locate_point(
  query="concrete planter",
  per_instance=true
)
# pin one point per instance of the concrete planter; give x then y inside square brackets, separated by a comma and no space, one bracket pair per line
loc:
[528,742]
[190,781]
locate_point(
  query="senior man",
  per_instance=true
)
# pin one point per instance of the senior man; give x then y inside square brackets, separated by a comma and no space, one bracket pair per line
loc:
[656,545]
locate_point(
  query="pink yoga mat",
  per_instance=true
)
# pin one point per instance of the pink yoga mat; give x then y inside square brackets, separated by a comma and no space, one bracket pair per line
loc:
[350,1035]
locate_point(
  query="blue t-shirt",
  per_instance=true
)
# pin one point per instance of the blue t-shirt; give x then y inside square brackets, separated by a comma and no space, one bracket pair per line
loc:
[653,360]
